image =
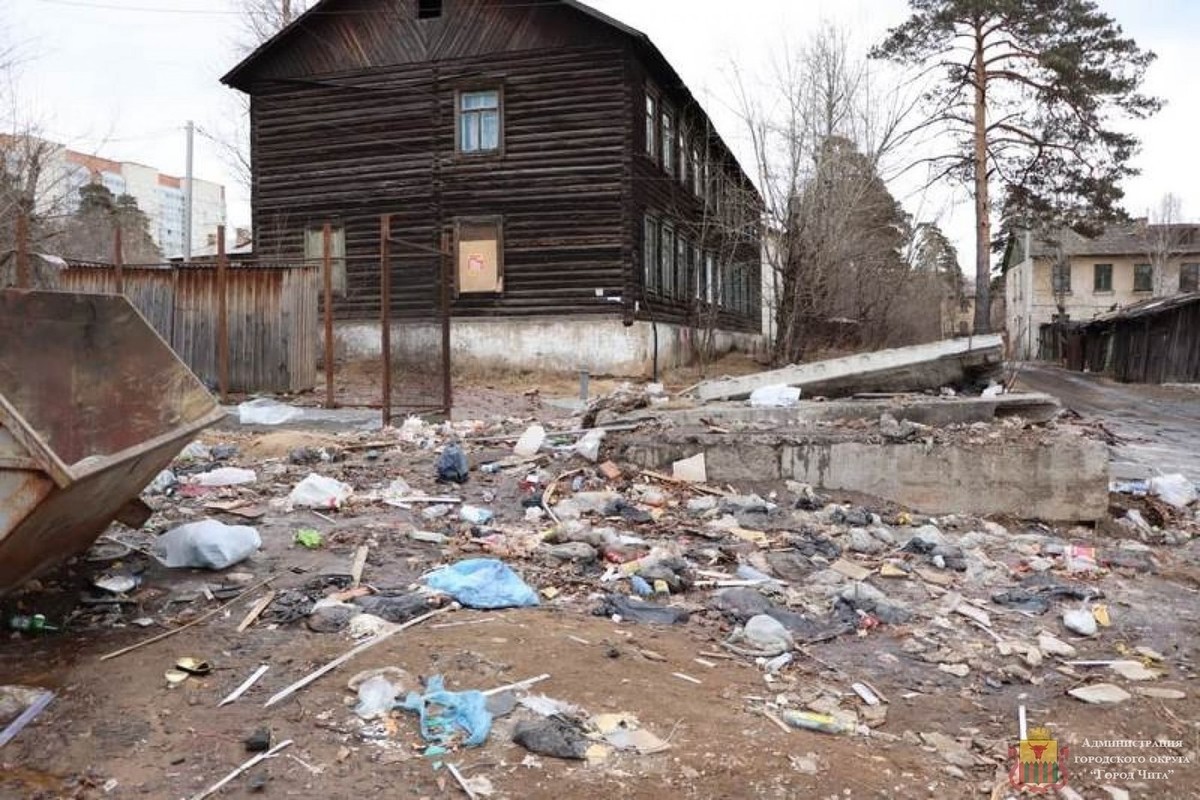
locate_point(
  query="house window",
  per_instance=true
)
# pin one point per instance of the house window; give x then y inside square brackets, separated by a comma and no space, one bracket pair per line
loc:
[651,125]
[314,253]
[681,267]
[1060,279]
[1143,278]
[479,121]
[479,256]
[697,274]
[650,254]
[1102,278]
[666,263]
[429,9]
[697,188]
[668,141]
[1189,278]
[709,268]
[683,157]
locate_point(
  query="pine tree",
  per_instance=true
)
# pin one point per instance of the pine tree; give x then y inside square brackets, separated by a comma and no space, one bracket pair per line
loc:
[1027,94]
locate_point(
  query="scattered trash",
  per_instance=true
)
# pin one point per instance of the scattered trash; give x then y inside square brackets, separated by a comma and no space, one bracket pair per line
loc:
[309,538]
[317,491]
[1134,671]
[376,697]
[206,544]
[810,721]
[475,515]
[117,582]
[530,441]
[1175,490]
[20,705]
[1100,694]
[1080,621]
[1155,692]
[552,736]
[690,470]
[775,396]
[265,411]
[452,466]
[258,742]
[589,446]
[1080,559]
[223,476]
[765,635]
[482,583]
[447,716]
[631,609]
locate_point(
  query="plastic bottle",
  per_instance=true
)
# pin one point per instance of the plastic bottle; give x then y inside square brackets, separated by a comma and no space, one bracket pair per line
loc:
[31,624]
[809,721]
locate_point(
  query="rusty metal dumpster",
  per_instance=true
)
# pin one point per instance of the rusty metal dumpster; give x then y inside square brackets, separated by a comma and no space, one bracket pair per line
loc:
[93,405]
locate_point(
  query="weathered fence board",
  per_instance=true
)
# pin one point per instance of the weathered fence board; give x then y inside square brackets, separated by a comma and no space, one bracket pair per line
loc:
[272,314]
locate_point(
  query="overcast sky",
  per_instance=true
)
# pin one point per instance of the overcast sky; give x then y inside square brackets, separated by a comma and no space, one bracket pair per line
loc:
[120,78]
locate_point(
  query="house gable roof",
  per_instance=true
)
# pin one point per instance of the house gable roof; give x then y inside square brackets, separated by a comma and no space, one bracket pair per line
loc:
[1135,238]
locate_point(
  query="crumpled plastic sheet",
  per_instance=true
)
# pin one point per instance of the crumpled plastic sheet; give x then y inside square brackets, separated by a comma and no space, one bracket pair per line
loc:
[444,714]
[482,583]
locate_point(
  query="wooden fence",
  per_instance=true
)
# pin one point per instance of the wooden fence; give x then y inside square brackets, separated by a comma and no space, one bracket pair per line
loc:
[271,312]
[1157,341]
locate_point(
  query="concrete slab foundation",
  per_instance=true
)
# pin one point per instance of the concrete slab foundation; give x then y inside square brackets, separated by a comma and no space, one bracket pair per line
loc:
[1056,475]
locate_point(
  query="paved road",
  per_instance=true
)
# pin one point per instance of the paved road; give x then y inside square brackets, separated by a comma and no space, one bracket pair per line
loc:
[1160,424]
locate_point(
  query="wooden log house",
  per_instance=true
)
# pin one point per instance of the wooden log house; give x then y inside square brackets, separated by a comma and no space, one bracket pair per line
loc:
[595,218]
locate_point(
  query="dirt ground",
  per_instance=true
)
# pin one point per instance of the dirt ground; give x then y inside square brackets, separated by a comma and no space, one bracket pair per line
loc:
[117,729]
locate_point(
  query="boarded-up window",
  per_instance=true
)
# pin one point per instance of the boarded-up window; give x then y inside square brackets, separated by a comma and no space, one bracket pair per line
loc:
[480,257]
[1143,278]
[1189,278]
[314,253]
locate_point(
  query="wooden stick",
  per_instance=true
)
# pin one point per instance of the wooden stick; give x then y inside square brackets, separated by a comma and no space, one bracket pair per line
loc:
[774,718]
[360,562]
[283,694]
[461,781]
[246,684]
[258,608]
[185,626]
[525,684]
[698,487]
[216,787]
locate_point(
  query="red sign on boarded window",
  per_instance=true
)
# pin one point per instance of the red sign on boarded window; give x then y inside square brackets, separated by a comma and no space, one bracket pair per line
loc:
[474,263]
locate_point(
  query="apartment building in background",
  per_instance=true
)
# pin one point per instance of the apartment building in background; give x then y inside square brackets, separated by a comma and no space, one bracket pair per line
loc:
[1063,277]
[161,197]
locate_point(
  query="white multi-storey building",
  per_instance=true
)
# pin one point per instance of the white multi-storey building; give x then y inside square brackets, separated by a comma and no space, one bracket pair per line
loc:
[162,198]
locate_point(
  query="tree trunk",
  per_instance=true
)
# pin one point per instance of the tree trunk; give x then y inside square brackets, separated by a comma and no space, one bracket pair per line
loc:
[983,222]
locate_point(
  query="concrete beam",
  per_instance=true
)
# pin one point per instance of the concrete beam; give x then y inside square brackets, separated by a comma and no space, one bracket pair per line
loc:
[901,369]
[1053,476]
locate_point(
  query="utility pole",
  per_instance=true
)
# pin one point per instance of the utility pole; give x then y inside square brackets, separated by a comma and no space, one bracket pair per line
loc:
[187,196]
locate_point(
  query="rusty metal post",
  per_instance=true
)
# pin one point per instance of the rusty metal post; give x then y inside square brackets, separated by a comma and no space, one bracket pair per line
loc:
[222,316]
[327,274]
[118,260]
[385,312]
[446,266]
[22,235]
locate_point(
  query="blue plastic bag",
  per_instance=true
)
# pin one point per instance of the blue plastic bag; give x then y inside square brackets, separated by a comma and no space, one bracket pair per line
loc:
[482,583]
[443,714]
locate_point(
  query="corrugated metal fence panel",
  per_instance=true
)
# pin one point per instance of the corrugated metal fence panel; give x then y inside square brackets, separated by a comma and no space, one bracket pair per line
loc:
[272,315]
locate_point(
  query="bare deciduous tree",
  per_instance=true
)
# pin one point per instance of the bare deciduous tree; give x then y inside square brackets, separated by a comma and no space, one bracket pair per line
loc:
[822,151]
[1164,238]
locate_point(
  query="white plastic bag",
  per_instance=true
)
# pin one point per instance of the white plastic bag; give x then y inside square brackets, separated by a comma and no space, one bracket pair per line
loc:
[317,491]
[776,396]
[265,411]
[224,476]
[1174,489]
[589,445]
[206,544]
[531,441]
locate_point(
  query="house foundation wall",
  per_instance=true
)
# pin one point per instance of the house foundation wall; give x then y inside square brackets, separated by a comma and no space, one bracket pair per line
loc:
[602,346]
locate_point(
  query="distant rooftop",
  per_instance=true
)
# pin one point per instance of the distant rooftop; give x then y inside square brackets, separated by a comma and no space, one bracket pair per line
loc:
[1130,238]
